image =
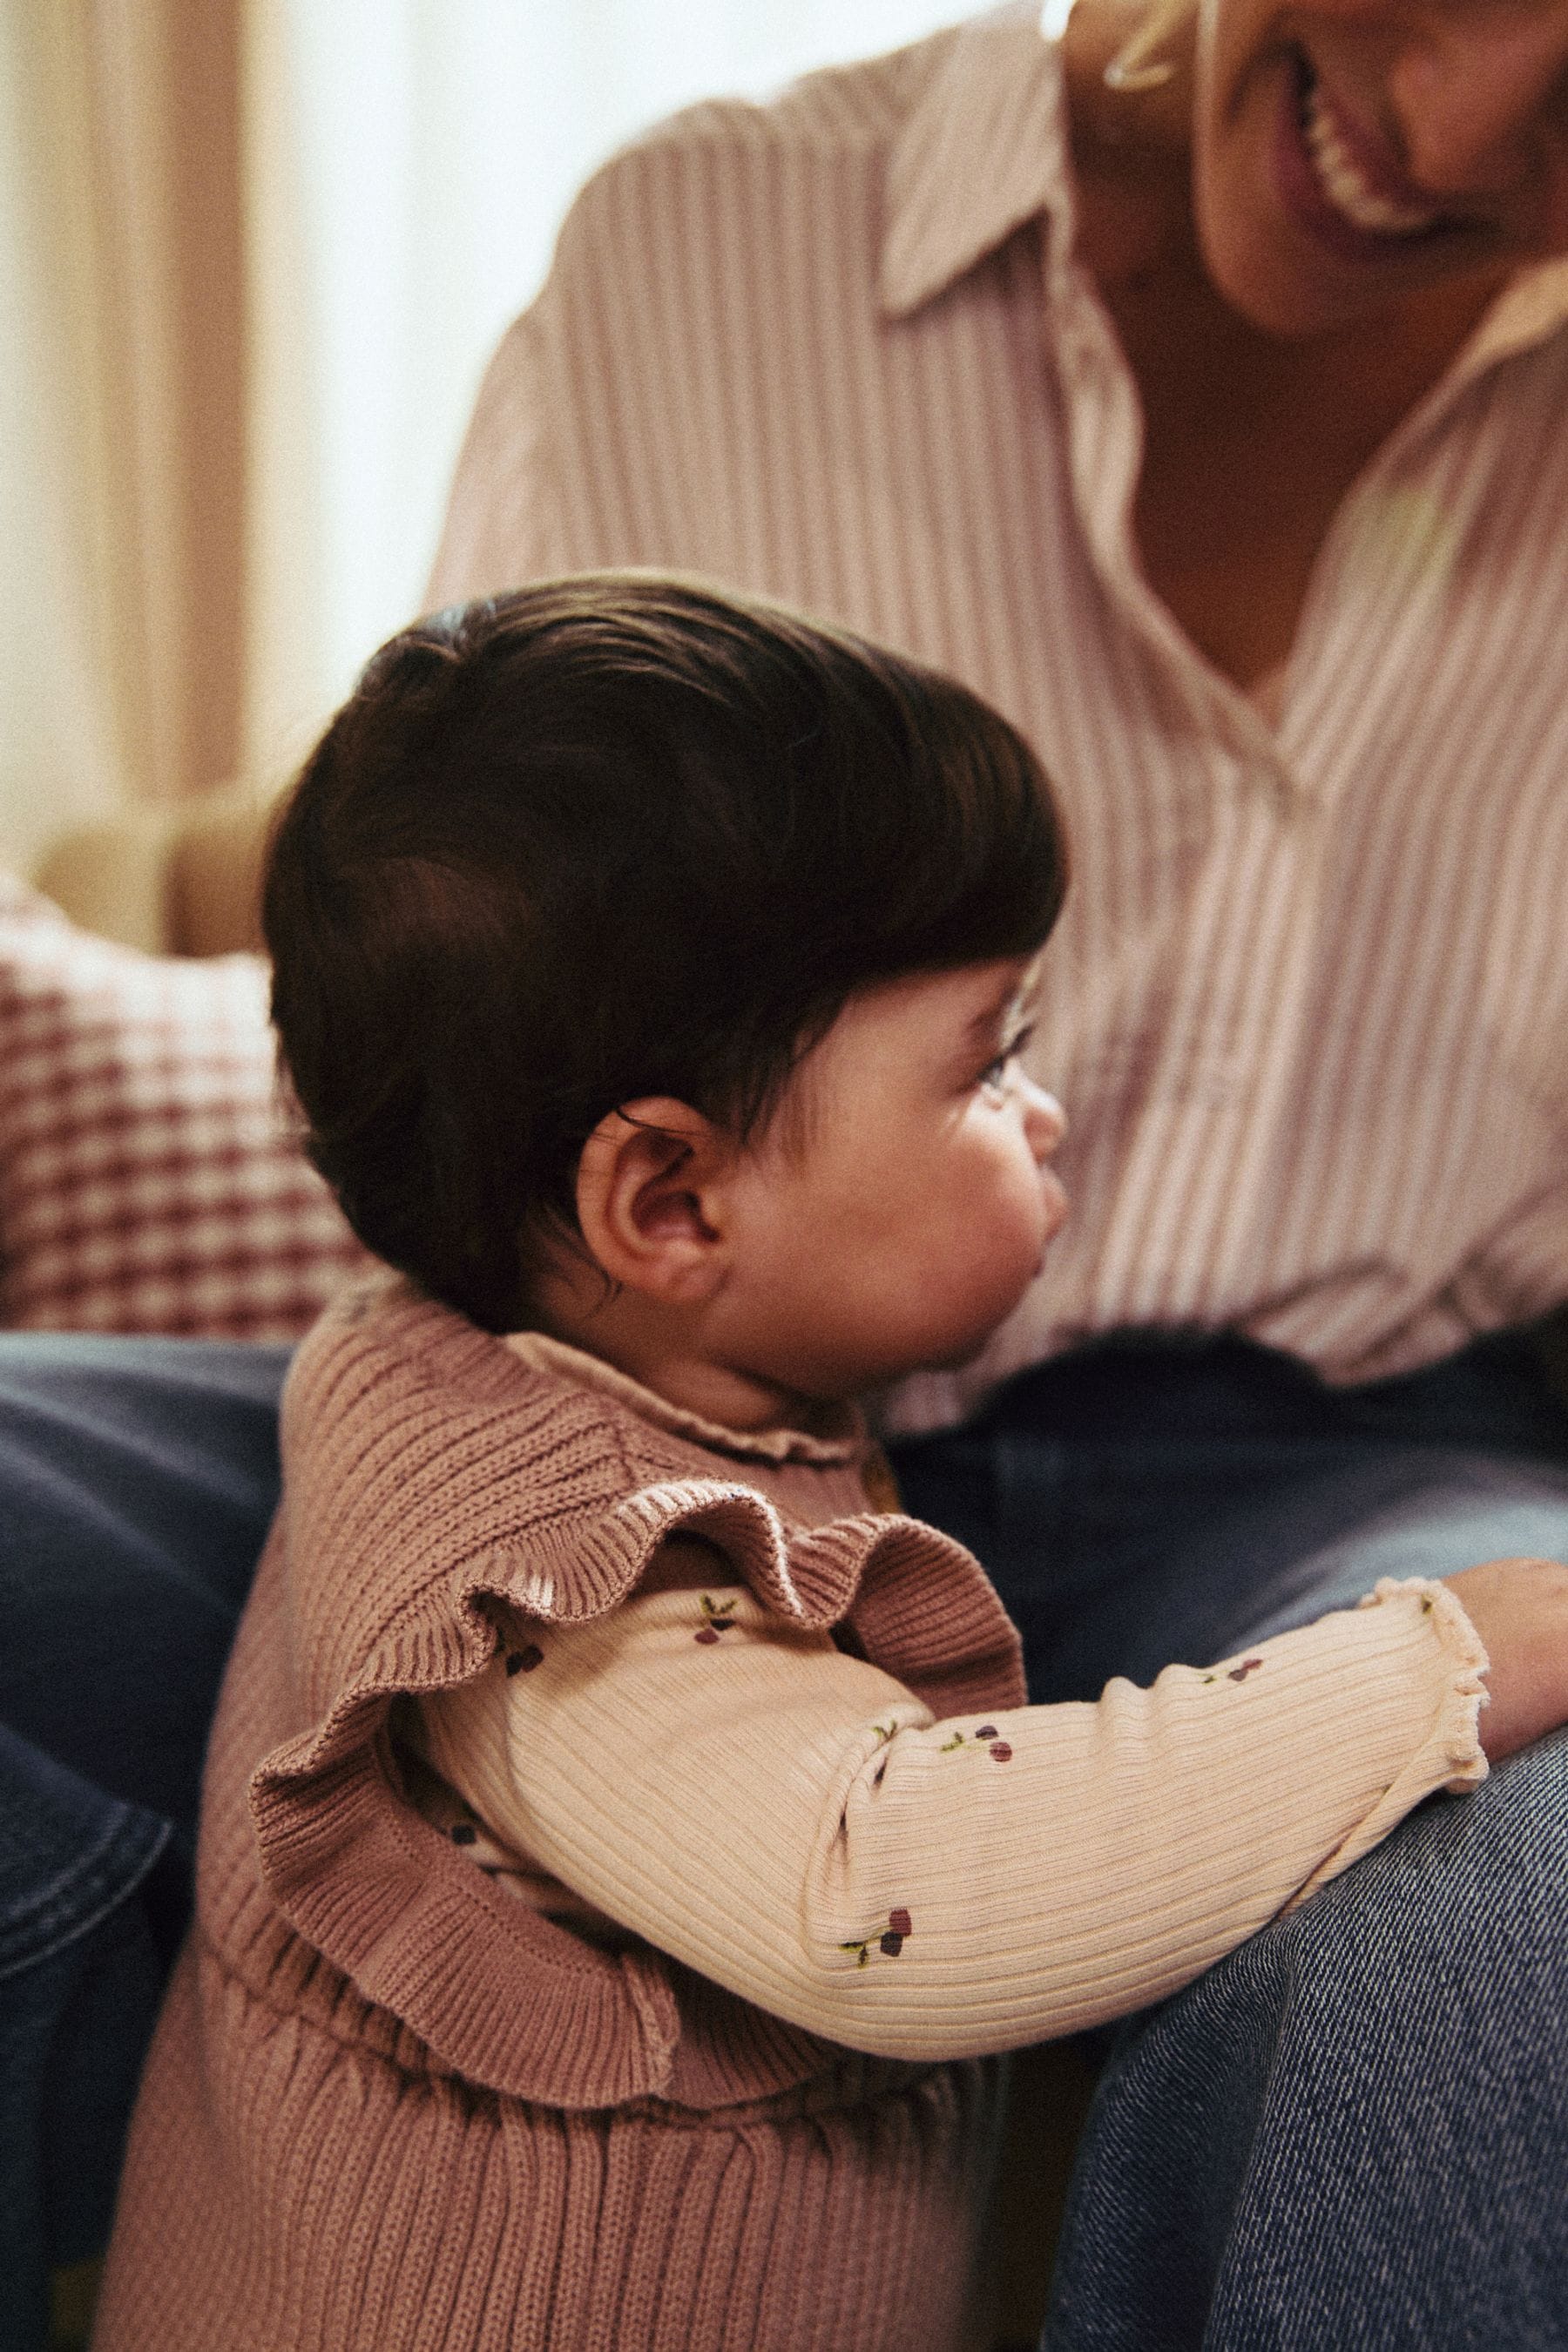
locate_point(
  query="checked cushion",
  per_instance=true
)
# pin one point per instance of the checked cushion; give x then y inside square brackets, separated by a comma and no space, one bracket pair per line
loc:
[150,1180]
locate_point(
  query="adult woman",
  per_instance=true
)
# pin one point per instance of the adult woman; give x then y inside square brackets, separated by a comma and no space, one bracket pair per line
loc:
[1192,388]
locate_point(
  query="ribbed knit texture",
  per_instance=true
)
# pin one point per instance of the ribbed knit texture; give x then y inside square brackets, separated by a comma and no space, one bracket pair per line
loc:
[388,2106]
[838,347]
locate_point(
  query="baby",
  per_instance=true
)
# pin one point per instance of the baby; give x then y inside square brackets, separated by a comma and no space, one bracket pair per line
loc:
[626,1842]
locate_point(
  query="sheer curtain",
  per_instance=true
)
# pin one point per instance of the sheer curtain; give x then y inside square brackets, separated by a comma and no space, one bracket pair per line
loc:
[122,392]
[257,253]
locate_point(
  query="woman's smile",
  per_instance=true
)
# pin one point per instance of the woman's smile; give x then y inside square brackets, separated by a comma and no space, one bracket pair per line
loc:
[1350,153]
[1340,180]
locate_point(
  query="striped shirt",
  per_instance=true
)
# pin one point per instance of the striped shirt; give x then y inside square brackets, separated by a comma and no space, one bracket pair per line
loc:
[1308,1006]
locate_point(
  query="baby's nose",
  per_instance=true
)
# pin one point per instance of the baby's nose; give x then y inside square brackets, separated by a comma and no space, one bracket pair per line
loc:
[1045,1121]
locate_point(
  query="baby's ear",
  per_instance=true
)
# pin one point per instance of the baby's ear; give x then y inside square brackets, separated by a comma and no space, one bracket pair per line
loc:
[650,1189]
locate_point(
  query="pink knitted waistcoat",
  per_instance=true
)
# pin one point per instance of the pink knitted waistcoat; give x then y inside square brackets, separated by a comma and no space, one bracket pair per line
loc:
[388,2105]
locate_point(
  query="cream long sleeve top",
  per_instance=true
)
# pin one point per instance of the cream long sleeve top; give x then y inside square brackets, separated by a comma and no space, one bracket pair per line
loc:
[790,1822]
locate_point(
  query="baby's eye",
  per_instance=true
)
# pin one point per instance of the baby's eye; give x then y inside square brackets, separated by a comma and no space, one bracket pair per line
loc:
[993,1077]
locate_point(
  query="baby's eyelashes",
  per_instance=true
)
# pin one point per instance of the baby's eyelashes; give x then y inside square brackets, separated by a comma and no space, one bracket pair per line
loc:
[994,1075]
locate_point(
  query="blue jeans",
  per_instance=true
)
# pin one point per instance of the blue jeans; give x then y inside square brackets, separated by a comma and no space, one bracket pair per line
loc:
[1353,2132]
[1350,2133]
[137,1479]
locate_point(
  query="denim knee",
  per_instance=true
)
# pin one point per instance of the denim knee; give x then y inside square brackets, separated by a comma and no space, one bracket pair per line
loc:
[1350,2132]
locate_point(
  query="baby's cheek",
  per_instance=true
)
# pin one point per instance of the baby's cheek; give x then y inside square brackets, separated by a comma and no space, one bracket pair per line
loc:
[1038,1217]
[1005,1264]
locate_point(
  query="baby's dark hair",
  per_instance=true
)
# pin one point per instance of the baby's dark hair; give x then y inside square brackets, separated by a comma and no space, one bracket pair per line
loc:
[613,836]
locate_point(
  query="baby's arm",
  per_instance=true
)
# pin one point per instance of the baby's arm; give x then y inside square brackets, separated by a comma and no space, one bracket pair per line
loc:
[791,1823]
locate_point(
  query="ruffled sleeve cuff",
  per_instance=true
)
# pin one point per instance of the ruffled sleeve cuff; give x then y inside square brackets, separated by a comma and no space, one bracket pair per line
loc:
[1428,1620]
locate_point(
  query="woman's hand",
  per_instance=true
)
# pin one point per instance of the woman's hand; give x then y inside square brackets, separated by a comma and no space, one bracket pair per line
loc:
[1519,1609]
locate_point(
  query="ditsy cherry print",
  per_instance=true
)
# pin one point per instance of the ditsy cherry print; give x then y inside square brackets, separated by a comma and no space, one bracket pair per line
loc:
[986,1736]
[890,1942]
[1237,1673]
[718,1620]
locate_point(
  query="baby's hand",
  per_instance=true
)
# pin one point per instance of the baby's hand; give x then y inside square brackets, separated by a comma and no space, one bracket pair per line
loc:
[1519,1609]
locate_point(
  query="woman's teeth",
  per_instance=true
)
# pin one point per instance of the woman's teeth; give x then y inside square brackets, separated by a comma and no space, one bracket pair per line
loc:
[1344,184]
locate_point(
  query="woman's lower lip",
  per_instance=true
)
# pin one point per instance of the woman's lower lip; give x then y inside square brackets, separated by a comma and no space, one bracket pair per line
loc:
[1304,201]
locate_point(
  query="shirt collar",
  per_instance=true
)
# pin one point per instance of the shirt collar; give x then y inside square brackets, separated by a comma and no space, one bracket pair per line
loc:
[1531,306]
[982,149]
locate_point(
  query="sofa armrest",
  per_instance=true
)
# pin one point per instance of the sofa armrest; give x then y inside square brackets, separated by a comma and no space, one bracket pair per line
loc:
[111,877]
[177,881]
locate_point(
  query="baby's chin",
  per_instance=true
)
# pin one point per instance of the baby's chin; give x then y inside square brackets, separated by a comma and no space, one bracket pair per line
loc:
[964,1352]
[870,1389]
[873,1379]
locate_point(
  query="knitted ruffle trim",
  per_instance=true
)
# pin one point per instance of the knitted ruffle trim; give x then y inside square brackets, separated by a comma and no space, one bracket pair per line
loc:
[412,1445]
